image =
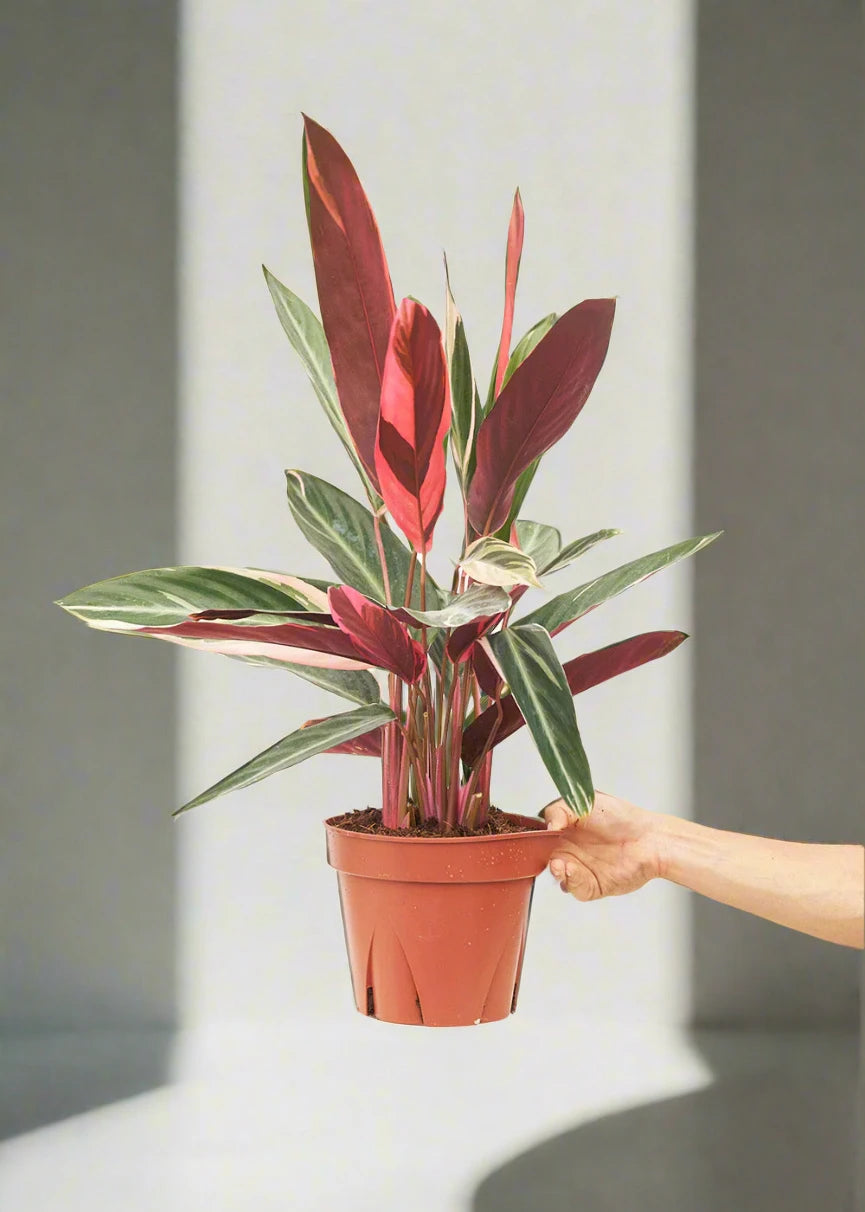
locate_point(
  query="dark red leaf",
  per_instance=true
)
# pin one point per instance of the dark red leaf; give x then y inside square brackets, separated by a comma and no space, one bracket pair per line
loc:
[308,616]
[366,745]
[582,673]
[485,671]
[516,229]
[537,406]
[461,639]
[376,632]
[414,417]
[354,287]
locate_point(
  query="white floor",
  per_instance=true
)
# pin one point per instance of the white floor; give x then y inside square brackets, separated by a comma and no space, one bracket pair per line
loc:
[357,1114]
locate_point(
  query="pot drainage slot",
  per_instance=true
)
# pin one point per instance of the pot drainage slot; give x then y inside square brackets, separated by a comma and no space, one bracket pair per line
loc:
[370,1001]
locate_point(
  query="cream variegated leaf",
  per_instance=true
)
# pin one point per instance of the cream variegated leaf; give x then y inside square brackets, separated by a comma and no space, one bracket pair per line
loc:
[162,597]
[492,561]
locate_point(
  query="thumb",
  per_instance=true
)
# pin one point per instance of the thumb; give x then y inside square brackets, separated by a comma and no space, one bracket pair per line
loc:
[557,815]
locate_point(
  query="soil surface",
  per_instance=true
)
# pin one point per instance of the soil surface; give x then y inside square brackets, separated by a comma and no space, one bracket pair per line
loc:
[368,820]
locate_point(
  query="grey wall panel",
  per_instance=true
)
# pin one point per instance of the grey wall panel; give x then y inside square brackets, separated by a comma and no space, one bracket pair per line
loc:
[87,491]
[780,435]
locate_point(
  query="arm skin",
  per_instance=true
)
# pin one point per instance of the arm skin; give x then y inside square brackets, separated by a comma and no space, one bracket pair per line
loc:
[815,889]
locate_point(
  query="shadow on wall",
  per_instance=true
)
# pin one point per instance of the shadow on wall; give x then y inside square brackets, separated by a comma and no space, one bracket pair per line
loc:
[773,1131]
[86,492]
[779,695]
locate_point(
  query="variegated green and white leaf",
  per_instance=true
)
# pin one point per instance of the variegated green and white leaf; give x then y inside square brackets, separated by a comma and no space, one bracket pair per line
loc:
[305,332]
[343,531]
[356,686]
[543,543]
[494,562]
[465,403]
[566,607]
[477,602]
[573,551]
[162,597]
[537,681]
[296,747]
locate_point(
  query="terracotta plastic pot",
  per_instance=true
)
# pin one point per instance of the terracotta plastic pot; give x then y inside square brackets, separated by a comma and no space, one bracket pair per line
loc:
[436,927]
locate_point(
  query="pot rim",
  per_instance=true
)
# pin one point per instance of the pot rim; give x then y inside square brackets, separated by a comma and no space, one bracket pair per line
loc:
[535,830]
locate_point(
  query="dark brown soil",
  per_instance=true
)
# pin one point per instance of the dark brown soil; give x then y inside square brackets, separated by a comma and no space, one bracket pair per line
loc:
[368,820]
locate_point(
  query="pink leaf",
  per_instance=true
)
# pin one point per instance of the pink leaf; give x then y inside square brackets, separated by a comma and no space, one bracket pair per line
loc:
[516,230]
[537,406]
[325,647]
[582,673]
[414,417]
[375,632]
[354,287]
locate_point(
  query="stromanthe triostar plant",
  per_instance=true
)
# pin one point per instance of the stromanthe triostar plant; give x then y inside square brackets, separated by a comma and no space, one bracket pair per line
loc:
[461,668]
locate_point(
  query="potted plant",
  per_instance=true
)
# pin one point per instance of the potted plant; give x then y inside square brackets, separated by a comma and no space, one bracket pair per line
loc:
[435,886]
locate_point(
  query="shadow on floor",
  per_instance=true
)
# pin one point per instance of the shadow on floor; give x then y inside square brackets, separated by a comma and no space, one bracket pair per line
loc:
[46,1079]
[774,1130]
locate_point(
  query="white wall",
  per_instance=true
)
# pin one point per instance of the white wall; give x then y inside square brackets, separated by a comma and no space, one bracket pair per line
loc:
[444,111]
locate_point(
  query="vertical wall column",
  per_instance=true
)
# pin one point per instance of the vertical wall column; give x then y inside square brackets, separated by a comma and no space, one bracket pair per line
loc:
[780,434]
[87,491]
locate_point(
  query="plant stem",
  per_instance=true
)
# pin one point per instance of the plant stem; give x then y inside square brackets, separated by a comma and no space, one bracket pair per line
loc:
[385,576]
[475,775]
[409,582]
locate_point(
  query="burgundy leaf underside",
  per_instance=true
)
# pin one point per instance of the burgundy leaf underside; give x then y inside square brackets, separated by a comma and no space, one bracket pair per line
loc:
[354,287]
[461,639]
[374,631]
[308,616]
[537,406]
[582,673]
[488,676]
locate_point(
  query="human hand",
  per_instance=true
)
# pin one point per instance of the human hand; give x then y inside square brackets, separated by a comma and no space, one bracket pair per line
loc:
[611,851]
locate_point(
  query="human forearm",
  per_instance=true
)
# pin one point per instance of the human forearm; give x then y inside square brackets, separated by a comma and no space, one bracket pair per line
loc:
[816,889]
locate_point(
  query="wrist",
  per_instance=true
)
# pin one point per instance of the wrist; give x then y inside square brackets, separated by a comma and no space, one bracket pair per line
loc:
[668,836]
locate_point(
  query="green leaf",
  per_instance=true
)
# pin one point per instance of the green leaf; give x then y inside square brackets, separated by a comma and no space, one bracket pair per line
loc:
[574,550]
[296,747]
[564,609]
[162,597]
[343,531]
[477,602]
[464,394]
[495,562]
[305,332]
[543,543]
[533,672]
[527,343]
[357,687]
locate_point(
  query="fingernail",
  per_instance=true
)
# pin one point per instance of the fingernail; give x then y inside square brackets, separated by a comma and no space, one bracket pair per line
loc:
[570,871]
